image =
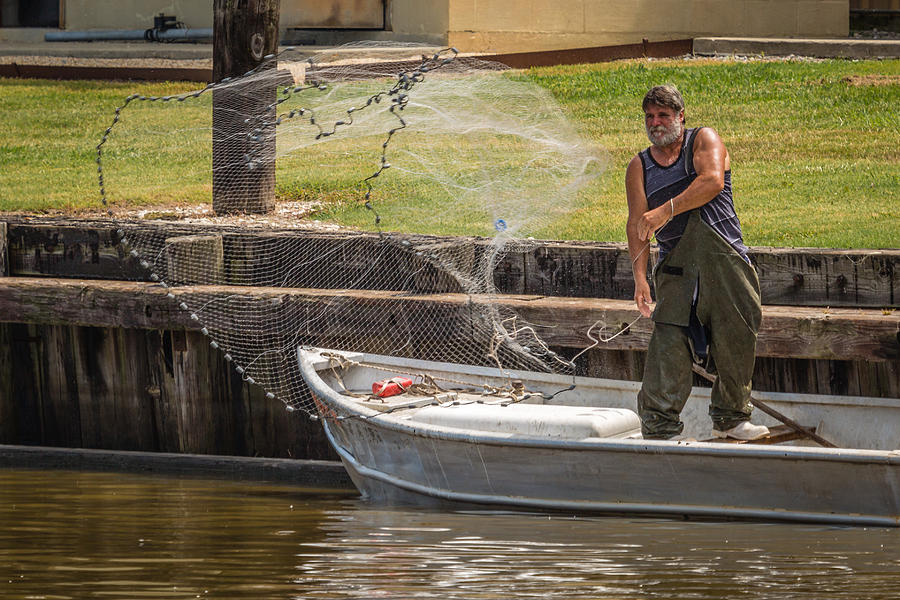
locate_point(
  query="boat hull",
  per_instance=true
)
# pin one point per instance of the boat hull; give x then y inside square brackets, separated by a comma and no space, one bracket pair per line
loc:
[391,466]
[396,461]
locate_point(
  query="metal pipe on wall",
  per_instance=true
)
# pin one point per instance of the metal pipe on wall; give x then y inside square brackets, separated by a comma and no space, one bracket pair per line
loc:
[90,36]
[167,35]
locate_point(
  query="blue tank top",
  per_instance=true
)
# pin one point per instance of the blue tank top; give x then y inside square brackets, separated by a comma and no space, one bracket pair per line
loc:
[663,183]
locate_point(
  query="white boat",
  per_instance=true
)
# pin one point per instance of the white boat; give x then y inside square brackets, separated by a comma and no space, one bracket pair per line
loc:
[525,440]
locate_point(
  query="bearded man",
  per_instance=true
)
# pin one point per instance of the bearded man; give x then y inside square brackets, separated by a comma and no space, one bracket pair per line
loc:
[708,302]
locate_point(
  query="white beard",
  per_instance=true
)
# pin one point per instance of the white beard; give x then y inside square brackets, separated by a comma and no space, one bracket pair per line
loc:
[669,134]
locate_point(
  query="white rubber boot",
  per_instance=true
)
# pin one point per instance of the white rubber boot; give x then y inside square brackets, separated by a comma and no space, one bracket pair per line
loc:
[745,430]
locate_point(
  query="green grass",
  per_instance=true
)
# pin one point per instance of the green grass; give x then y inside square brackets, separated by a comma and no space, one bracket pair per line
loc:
[815,160]
[48,139]
[815,156]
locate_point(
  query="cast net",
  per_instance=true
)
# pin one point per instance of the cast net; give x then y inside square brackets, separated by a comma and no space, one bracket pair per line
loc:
[437,168]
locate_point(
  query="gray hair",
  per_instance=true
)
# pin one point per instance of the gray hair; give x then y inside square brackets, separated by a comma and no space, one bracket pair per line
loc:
[664,95]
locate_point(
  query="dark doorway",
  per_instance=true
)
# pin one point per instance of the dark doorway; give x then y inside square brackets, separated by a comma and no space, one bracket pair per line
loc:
[29,13]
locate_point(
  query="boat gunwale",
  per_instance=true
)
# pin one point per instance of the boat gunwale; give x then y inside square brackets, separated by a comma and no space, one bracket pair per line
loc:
[604,383]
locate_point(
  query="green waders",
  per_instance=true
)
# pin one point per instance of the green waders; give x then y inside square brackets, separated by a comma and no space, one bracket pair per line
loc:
[728,306]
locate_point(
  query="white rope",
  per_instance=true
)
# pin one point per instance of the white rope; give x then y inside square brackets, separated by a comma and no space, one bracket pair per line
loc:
[607,340]
[600,337]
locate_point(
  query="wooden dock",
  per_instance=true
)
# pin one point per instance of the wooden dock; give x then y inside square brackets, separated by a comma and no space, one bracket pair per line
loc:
[92,356]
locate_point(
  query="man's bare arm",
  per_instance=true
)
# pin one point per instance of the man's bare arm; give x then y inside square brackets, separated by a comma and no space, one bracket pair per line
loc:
[638,249]
[711,160]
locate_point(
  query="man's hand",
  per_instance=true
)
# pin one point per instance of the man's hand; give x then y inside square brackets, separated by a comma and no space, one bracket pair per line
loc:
[642,297]
[652,220]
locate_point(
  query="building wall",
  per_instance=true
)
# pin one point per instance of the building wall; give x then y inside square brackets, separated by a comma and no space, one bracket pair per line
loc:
[490,25]
[415,17]
[505,26]
[315,14]
[138,14]
[80,15]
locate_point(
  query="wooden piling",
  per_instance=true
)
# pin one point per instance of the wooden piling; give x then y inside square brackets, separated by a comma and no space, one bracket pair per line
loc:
[243,146]
[8,406]
[4,250]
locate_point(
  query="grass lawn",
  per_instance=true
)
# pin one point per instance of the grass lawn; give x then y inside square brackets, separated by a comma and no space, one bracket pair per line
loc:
[815,148]
[814,145]
[48,139]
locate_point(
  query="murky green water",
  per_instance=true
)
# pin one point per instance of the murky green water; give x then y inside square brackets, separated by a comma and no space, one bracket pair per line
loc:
[104,535]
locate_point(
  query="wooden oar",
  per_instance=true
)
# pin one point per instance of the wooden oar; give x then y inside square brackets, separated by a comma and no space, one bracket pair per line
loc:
[773,413]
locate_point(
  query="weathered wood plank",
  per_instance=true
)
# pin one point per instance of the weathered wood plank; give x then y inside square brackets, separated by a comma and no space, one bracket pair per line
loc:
[329,261]
[799,332]
[587,270]
[829,333]
[24,377]
[4,250]
[803,277]
[826,277]
[819,376]
[94,303]
[90,251]
[195,259]
[8,401]
[196,391]
[613,364]
[509,273]
[136,389]
[113,413]
[772,374]
[60,408]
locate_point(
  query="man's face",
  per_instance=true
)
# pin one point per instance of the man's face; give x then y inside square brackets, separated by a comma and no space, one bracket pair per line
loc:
[664,125]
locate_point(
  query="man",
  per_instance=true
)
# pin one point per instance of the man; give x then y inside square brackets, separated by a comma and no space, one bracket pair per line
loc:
[708,306]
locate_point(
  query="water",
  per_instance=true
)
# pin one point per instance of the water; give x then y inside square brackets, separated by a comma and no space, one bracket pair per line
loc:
[66,534]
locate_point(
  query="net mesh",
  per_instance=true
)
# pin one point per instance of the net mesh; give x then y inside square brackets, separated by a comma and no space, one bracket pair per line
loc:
[438,166]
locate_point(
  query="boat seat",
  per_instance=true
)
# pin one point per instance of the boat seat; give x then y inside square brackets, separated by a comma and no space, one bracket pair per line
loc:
[534,420]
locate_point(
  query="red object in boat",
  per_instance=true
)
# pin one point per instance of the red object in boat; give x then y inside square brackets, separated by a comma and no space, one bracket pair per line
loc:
[390,387]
